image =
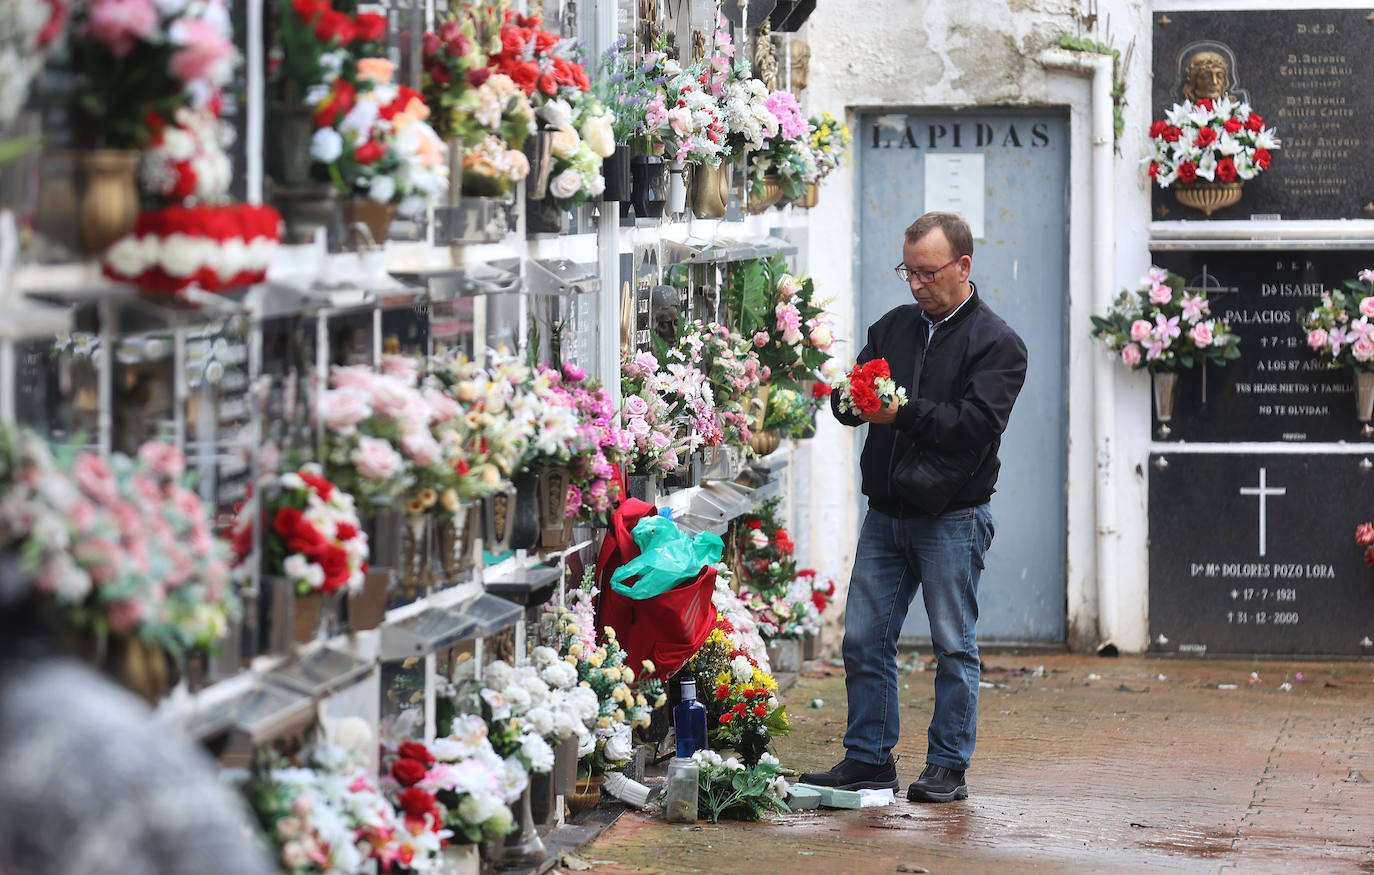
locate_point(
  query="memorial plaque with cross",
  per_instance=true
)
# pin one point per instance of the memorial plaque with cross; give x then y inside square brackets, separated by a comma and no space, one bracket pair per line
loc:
[1278,390]
[1256,553]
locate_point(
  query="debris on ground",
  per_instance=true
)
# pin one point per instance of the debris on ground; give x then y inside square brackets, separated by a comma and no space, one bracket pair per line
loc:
[1227,687]
[910,867]
[817,703]
[1355,777]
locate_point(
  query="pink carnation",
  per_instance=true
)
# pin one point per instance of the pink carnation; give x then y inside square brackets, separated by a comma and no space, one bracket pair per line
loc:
[164,460]
[204,53]
[118,23]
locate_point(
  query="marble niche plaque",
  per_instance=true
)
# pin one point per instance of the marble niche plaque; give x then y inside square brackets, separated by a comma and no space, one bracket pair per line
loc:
[1309,73]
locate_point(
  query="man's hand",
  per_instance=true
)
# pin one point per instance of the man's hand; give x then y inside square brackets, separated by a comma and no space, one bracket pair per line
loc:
[886,416]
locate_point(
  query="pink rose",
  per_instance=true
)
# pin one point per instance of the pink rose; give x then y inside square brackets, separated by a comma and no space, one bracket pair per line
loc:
[1140,329]
[399,366]
[95,477]
[391,396]
[420,447]
[342,409]
[118,23]
[355,376]
[376,459]
[1362,350]
[761,339]
[164,460]
[1161,294]
[637,426]
[636,406]
[204,53]
[1130,354]
[442,408]
[186,502]
[1367,306]
[1201,335]
[1316,338]
[125,615]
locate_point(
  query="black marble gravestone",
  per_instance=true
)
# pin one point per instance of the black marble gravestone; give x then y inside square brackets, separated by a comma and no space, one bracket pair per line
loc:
[1256,553]
[1278,390]
[1308,73]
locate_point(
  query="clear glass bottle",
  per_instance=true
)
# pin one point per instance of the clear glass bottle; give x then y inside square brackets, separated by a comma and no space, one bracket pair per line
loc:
[689,720]
[681,804]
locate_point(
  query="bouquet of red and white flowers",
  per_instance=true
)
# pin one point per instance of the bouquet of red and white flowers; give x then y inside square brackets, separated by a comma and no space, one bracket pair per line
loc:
[314,537]
[869,388]
[213,247]
[1209,140]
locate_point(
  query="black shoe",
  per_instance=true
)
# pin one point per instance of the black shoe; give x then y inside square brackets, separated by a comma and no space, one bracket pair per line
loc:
[938,784]
[850,774]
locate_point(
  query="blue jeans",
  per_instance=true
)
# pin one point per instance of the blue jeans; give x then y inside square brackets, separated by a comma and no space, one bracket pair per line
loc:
[943,557]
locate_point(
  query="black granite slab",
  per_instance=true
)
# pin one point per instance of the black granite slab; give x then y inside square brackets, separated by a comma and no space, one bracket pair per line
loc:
[1310,74]
[1236,571]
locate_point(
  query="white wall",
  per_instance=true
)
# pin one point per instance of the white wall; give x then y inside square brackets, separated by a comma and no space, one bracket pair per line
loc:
[880,53]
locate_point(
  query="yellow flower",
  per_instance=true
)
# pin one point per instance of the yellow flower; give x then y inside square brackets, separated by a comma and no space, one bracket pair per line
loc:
[619,716]
[575,649]
[449,500]
[627,674]
[428,497]
[596,659]
[603,723]
[648,666]
[640,701]
[661,700]
[570,659]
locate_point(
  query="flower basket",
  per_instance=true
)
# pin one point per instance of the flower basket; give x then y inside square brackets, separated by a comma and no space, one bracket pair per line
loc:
[1165,385]
[1208,196]
[809,198]
[769,192]
[586,795]
[710,190]
[765,441]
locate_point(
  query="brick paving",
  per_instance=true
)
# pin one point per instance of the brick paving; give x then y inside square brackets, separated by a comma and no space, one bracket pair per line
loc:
[1083,765]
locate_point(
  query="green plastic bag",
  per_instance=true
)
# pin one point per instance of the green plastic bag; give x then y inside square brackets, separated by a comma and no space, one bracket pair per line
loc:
[667,557]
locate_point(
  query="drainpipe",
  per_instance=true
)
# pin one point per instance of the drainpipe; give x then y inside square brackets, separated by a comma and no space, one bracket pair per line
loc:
[1104,386]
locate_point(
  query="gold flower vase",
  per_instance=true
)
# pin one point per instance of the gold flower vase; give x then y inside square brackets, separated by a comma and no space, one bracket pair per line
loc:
[771,193]
[765,441]
[809,198]
[1208,196]
[710,190]
[108,206]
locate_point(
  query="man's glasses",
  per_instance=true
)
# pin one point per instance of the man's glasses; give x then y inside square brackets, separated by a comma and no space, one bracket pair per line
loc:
[905,273]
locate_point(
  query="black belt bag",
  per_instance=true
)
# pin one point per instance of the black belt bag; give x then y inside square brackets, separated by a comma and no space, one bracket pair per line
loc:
[928,479]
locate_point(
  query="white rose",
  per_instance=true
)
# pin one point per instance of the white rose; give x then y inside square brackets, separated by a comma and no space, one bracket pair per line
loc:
[557,113]
[326,146]
[599,136]
[565,142]
[382,189]
[598,186]
[537,750]
[618,749]
[565,184]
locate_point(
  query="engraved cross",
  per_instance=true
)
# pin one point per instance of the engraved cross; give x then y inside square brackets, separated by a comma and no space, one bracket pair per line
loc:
[1263,491]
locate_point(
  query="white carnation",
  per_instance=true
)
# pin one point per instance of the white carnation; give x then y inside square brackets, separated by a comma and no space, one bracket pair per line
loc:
[326,146]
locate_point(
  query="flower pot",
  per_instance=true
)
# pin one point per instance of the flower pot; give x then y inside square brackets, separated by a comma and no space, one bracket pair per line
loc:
[647,194]
[304,210]
[1208,196]
[460,860]
[1165,384]
[677,188]
[289,129]
[544,216]
[525,529]
[809,198]
[1364,398]
[306,613]
[366,223]
[616,171]
[524,848]
[765,441]
[769,191]
[553,507]
[539,150]
[498,518]
[367,607]
[109,197]
[785,655]
[645,487]
[586,794]
[710,190]
[811,646]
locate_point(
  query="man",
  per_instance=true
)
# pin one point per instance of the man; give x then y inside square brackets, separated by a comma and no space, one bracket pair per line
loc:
[972,368]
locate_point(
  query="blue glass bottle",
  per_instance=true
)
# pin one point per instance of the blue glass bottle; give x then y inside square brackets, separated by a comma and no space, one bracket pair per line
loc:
[689,720]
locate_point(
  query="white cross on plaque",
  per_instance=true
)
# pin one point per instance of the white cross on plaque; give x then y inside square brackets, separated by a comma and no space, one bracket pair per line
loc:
[1263,491]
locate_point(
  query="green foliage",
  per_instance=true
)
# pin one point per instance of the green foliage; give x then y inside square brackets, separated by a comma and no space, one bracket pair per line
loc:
[1083,44]
[737,793]
[749,292]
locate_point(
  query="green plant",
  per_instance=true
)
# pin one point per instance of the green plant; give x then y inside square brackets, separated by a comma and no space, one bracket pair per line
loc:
[1084,44]
[728,788]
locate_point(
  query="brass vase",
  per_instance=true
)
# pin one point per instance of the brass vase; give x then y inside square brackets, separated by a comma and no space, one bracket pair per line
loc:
[108,205]
[710,191]
[770,192]
[553,507]
[809,198]
[765,441]
[366,222]
[1208,196]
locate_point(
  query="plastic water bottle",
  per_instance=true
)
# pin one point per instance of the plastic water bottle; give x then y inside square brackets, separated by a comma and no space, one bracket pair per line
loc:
[689,720]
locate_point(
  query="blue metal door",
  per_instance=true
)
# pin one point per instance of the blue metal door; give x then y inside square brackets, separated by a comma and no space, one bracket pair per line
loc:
[1020,267]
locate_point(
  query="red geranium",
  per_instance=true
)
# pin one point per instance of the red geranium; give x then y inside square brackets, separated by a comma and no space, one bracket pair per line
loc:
[1262,158]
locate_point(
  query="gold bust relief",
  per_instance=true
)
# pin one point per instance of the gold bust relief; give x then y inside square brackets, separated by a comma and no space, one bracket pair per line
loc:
[1206,75]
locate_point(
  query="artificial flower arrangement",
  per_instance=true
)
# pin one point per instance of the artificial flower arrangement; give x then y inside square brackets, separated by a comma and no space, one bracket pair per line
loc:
[213,247]
[1339,329]
[829,143]
[786,151]
[869,387]
[737,619]
[496,426]
[141,60]
[792,413]
[743,712]
[624,87]
[375,142]
[28,32]
[456,787]
[684,117]
[728,788]
[731,367]
[741,99]
[595,486]
[660,429]
[765,551]
[1162,327]
[1209,141]
[311,534]
[791,331]
[583,136]
[119,546]
[474,104]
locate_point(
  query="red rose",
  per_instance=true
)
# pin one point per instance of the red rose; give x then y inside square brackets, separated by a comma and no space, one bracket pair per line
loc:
[408,771]
[739,707]
[548,83]
[286,521]
[478,76]
[369,152]
[429,44]
[323,488]
[370,27]
[308,10]
[513,41]
[760,711]
[1364,534]
[525,76]
[1205,103]
[1205,137]
[728,715]
[1255,122]
[1232,125]
[439,73]
[1158,128]
[1262,158]
[818,599]
[346,531]
[1226,170]
[416,751]
[544,41]
[1154,169]
[1171,134]
[333,26]
[1187,172]
[334,560]
[449,30]
[416,802]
